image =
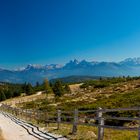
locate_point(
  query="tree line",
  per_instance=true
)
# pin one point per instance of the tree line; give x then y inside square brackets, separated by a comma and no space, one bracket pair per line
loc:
[8,91]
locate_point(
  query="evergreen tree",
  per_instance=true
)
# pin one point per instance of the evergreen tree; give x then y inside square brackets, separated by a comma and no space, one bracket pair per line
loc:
[38,87]
[29,89]
[47,87]
[51,85]
[2,96]
[37,84]
[16,93]
[67,89]
[58,89]
[8,94]
[24,87]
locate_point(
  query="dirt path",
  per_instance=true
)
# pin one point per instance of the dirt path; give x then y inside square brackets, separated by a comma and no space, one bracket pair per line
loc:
[12,131]
[1,135]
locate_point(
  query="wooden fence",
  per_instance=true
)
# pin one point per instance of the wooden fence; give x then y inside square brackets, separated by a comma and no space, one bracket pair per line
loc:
[95,118]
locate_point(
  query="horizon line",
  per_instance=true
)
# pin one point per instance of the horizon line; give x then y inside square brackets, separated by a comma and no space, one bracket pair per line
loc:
[39,64]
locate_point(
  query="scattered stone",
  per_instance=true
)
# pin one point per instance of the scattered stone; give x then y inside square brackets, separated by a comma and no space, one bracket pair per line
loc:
[90,135]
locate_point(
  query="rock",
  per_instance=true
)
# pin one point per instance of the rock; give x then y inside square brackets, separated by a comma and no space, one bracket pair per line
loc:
[90,135]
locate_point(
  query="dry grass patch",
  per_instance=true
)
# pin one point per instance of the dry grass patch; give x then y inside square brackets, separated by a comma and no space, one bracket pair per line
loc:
[90,133]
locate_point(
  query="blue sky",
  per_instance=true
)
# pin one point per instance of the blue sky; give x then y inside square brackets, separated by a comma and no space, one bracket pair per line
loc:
[55,31]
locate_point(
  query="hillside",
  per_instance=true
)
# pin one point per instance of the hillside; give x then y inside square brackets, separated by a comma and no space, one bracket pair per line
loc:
[105,93]
[95,93]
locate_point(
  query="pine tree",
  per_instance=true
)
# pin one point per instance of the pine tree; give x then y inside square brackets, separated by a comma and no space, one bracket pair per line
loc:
[2,96]
[47,87]
[67,89]
[37,84]
[51,85]
[24,87]
[16,93]
[8,94]
[29,89]
[58,89]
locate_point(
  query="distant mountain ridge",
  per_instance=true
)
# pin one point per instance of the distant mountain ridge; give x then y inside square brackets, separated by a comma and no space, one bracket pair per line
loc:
[34,73]
[76,79]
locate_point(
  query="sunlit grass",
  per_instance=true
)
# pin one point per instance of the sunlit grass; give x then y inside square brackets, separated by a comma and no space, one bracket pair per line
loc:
[89,132]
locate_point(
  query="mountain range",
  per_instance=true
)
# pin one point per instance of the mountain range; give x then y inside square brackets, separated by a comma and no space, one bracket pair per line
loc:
[34,73]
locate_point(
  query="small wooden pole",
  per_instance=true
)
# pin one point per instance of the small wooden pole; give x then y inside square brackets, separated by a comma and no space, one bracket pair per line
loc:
[58,119]
[34,114]
[38,116]
[26,113]
[100,124]
[21,113]
[75,122]
[46,119]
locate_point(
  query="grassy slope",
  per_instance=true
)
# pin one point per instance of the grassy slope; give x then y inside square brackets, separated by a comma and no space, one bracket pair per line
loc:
[124,94]
[114,95]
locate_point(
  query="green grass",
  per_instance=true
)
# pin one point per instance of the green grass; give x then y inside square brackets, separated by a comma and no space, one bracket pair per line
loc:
[117,99]
[85,132]
[88,132]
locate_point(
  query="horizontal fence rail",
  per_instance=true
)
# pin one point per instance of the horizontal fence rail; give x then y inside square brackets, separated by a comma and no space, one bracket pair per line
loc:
[77,117]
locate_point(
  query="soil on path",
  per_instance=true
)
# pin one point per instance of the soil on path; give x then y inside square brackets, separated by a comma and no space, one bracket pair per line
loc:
[12,131]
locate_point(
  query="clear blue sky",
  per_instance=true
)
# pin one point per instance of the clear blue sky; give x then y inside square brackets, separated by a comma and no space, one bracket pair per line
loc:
[55,31]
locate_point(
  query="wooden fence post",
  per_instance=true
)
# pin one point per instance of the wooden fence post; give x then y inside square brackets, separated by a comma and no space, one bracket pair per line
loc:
[30,115]
[26,113]
[46,119]
[21,113]
[38,116]
[100,124]
[34,115]
[75,122]
[58,118]
[15,112]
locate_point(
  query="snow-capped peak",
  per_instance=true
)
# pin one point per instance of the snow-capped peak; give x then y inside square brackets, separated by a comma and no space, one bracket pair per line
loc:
[131,61]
